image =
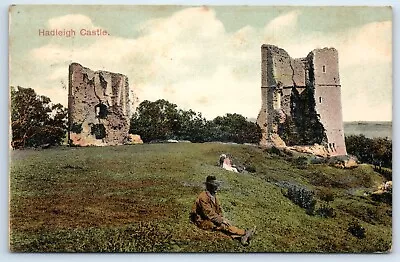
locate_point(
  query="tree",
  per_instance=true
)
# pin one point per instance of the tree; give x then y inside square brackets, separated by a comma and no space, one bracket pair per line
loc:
[360,146]
[370,150]
[235,128]
[155,120]
[382,151]
[192,126]
[35,121]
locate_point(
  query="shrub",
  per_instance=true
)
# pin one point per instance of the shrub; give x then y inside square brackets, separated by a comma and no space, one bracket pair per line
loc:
[99,131]
[385,197]
[250,169]
[356,229]
[288,131]
[302,197]
[300,162]
[325,194]
[325,211]
[386,173]
[76,128]
[275,151]
[319,178]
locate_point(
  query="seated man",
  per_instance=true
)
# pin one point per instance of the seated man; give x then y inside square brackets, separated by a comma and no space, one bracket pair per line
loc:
[207,214]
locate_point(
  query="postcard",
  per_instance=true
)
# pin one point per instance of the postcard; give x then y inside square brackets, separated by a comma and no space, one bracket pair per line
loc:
[164,128]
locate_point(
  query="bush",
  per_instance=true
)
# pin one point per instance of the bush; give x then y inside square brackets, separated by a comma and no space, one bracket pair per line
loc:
[288,131]
[250,169]
[325,194]
[386,173]
[319,178]
[300,162]
[325,211]
[356,230]
[385,197]
[275,151]
[302,197]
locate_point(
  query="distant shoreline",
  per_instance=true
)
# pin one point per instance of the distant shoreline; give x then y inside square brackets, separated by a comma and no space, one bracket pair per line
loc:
[368,122]
[370,129]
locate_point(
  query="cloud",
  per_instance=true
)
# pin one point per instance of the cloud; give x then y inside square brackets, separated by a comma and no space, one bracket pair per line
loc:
[190,59]
[370,43]
[70,21]
[282,28]
[377,112]
[220,93]
[285,21]
[200,22]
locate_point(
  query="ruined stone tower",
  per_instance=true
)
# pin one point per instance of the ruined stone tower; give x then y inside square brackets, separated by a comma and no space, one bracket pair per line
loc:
[301,99]
[98,107]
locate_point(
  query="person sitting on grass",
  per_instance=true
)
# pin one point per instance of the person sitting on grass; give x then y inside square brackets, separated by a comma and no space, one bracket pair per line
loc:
[226,163]
[206,213]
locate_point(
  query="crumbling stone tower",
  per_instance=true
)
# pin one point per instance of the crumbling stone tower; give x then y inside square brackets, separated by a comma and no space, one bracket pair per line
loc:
[98,107]
[301,99]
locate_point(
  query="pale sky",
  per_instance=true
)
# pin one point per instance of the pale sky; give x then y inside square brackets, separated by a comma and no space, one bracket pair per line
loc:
[204,58]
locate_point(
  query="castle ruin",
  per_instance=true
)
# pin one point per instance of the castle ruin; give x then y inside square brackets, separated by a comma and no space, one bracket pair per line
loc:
[301,100]
[98,107]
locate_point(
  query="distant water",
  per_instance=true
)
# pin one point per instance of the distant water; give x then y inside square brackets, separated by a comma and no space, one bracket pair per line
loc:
[368,129]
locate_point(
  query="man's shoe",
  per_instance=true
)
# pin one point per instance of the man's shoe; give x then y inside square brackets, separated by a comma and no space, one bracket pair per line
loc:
[248,236]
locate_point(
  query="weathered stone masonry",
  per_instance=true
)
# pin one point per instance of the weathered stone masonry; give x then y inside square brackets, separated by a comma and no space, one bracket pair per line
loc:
[98,107]
[301,99]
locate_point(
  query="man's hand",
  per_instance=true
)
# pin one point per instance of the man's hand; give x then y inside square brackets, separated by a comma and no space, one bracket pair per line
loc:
[226,222]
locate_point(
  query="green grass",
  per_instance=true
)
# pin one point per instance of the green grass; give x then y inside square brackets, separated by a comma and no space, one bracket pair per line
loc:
[137,199]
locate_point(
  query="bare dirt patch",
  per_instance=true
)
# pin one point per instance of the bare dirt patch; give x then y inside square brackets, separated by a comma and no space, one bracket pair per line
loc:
[89,206]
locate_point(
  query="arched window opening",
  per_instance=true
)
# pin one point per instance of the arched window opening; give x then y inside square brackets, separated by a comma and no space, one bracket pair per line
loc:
[101,110]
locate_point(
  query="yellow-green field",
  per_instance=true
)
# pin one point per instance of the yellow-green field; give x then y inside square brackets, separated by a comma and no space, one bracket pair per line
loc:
[137,199]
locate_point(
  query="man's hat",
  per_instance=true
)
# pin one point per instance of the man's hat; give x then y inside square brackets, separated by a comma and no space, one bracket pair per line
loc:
[211,180]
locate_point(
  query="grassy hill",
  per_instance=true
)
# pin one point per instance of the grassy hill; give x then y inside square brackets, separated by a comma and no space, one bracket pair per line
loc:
[138,198]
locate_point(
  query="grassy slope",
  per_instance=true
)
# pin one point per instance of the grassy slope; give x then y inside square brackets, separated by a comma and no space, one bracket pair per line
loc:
[137,198]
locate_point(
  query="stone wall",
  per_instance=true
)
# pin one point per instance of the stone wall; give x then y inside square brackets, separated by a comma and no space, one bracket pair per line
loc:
[301,99]
[98,107]
[328,97]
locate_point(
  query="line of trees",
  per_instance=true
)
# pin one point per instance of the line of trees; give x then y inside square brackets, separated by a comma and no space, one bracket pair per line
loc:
[161,120]
[370,150]
[36,122]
